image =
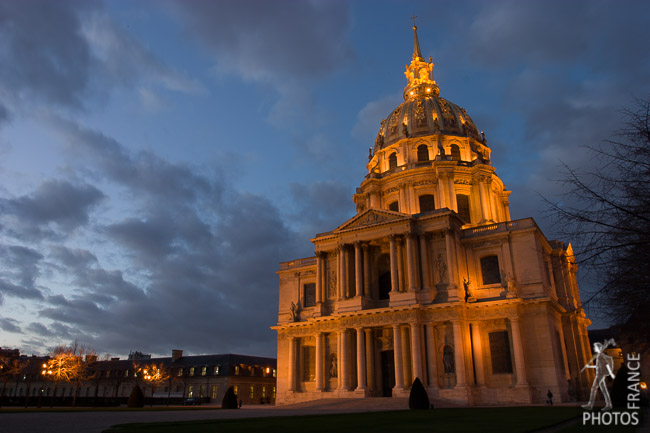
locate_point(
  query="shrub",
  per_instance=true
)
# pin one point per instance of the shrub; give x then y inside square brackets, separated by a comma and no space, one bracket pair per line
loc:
[136,399]
[418,398]
[229,400]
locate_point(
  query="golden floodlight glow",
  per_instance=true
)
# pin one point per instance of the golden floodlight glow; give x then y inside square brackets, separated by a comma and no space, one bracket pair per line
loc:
[411,92]
[643,385]
[428,90]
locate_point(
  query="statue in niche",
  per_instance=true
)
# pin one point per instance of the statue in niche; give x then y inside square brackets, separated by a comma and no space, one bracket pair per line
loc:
[331,286]
[469,290]
[442,268]
[448,359]
[333,366]
[511,289]
[295,312]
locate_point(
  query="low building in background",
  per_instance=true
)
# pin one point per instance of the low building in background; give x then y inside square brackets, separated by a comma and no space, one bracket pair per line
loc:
[202,378]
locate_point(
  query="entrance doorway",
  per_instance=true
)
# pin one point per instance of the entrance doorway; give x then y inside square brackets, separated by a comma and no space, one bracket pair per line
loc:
[387,373]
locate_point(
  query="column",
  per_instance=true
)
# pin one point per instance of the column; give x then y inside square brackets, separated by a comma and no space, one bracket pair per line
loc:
[361,360]
[370,370]
[426,264]
[451,262]
[477,353]
[339,364]
[292,363]
[394,285]
[459,355]
[416,351]
[397,351]
[366,270]
[441,192]
[406,357]
[452,192]
[483,199]
[432,362]
[410,262]
[400,264]
[520,366]
[345,361]
[358,269]
[319,361]
[339,273]
[319,277]
[344,272]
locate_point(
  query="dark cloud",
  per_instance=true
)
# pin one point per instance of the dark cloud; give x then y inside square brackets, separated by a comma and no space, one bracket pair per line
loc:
[10,325]
[196,257]
[321,206]
[44,54]
[19,268]
[54,204]
[258,40]
[68,54]
[22,292]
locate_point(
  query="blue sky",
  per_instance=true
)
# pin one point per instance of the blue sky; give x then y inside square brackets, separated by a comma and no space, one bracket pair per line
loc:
[159,159]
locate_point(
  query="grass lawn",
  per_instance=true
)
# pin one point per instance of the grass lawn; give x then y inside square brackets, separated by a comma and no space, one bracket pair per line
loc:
[484,420]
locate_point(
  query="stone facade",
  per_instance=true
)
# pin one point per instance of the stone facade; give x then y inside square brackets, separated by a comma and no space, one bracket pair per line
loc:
[432,279]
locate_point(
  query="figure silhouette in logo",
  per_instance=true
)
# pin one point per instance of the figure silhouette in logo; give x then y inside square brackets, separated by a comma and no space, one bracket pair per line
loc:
[604,365]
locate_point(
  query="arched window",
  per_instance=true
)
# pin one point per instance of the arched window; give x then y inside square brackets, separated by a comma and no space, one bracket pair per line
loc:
[490,270]
[462,201]
[423,153]
[455,152]
[427,202]
[394,206]
[392,161]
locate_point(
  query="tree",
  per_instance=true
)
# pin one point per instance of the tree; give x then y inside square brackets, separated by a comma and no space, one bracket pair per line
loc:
[69,364]
[152,374]
[229,400]
[418,398]
[10,368]
[606,211]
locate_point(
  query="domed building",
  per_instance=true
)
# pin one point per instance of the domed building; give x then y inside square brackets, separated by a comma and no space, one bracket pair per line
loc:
[431,279]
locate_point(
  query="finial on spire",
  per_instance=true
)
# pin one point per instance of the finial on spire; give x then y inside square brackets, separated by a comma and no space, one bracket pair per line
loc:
[416,44]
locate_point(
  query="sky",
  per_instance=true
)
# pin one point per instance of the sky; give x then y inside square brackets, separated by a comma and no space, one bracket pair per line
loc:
[159,159]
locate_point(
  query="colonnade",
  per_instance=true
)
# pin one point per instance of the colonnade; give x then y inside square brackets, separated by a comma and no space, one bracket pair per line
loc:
[415,350]
[411,266]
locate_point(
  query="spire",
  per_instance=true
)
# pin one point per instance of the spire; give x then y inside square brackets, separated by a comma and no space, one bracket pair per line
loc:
[416,44]
[419,73]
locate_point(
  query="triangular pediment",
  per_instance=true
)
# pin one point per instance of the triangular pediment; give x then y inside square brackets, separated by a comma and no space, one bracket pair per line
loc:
[371,217]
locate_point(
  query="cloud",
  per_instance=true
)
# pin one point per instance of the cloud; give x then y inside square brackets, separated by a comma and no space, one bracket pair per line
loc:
[69,55]
[370,116]
[55,206]
[19,269]
[260,41]
[188,258]
[10,325]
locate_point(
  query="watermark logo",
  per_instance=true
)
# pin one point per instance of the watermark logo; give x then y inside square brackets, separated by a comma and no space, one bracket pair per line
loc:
[603,365]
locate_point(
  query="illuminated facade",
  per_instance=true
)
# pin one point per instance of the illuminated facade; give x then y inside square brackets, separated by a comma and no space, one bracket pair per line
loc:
[431,278]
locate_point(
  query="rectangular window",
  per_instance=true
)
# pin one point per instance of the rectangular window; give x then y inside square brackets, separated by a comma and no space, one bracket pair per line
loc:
[500,352]
[216,370]
[490,270]
[394,206]
[252,392]
[180,372]
[202,391]
[308,363]
[191,371]
[275,372]
[236,370]
[273,393]
[462,201]
[427,203]
[204,371]
[263,392]
[214,392]
[108,373]
[236,389]
[310,294]
[126,373]
[190,391]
